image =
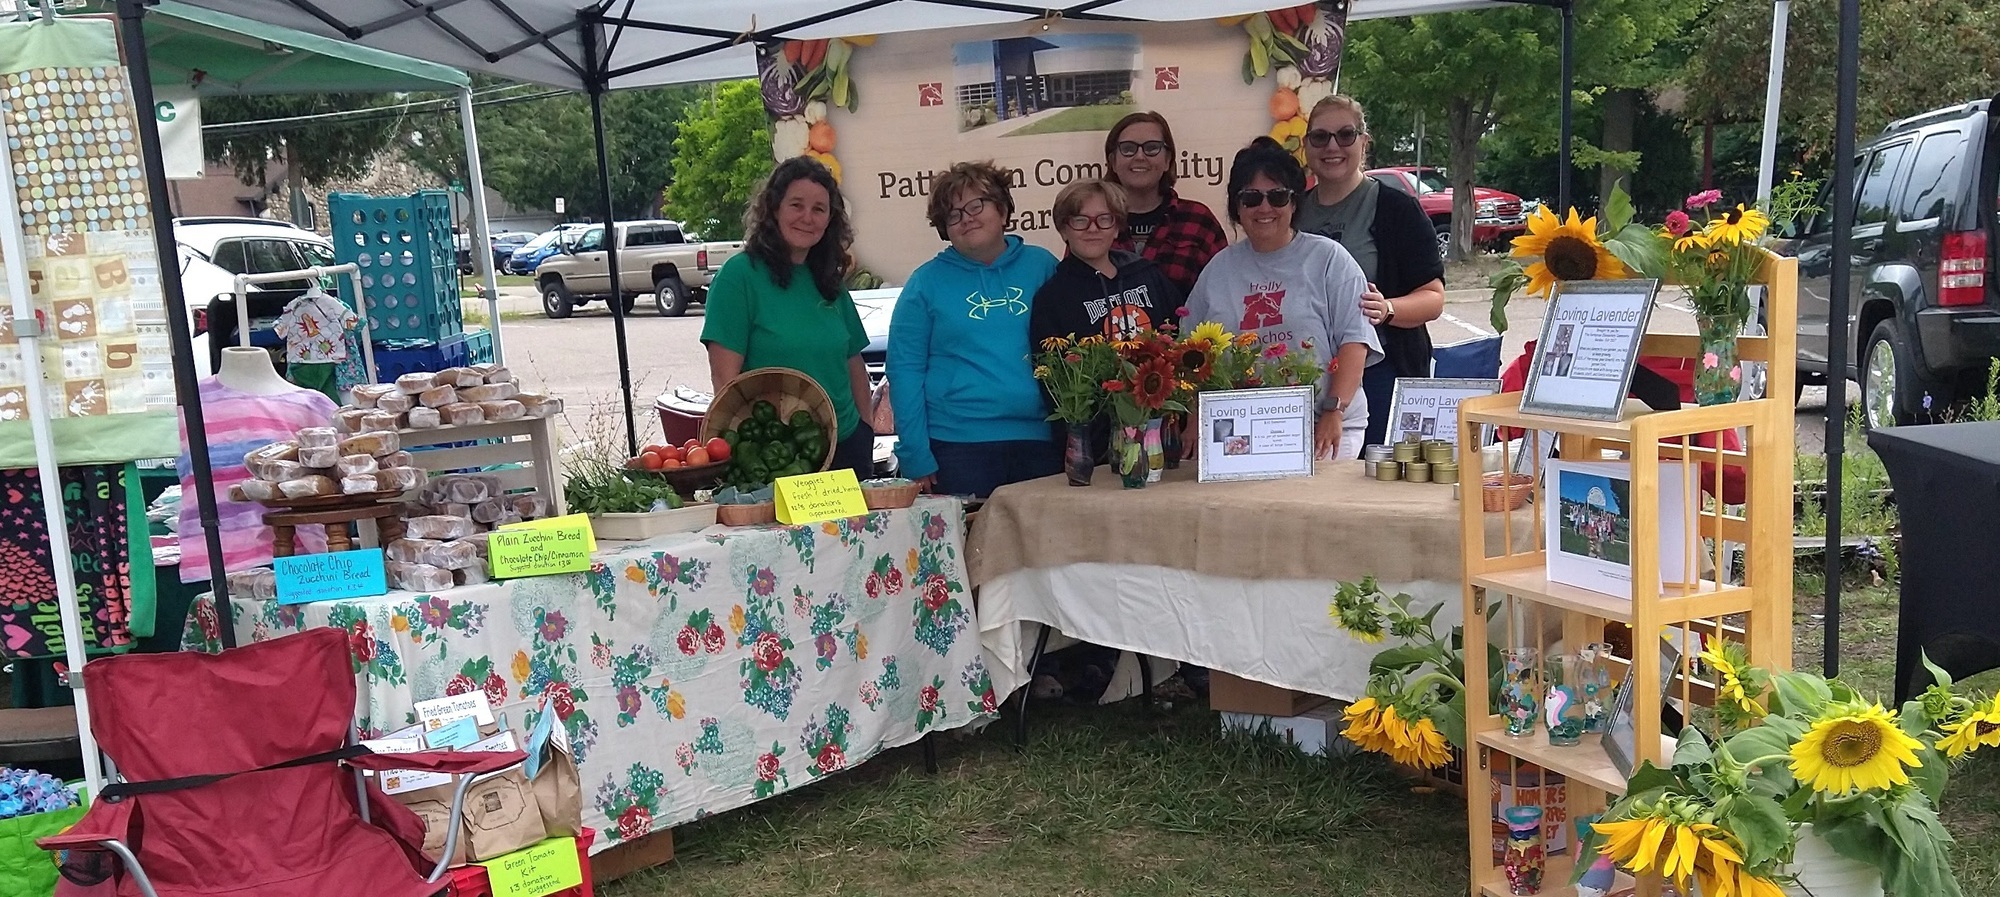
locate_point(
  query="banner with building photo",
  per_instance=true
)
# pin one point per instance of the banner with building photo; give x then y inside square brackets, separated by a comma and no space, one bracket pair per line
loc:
[83,213]
[888,114]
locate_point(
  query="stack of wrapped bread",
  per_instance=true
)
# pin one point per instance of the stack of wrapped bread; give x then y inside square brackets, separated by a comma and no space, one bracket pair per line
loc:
[445,530]
[453,397]
[322,461]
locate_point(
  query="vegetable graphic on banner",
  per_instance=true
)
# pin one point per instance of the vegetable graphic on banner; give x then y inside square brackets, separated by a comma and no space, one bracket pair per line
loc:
[1302,47]
[800,79]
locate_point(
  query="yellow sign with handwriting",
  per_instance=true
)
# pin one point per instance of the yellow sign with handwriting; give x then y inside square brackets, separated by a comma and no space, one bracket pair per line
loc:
[557,545]
[536,871]
[813,497]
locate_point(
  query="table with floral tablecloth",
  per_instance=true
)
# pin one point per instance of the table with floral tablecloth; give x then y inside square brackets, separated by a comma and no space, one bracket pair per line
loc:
[695,673]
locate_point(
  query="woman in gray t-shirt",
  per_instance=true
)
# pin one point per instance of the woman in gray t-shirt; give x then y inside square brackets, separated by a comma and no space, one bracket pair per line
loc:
[1292,290]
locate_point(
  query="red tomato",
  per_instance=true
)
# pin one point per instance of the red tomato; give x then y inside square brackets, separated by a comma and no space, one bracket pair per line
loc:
[697,456]
[690,445]
[651,460]
[655,449]
[671,463]
[675,452]
[717,449]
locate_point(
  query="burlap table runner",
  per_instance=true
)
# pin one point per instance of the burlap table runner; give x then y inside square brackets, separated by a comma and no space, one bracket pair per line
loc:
[1334,525]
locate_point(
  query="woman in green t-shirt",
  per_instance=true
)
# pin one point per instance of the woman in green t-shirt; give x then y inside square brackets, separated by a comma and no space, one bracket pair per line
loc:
[780,302]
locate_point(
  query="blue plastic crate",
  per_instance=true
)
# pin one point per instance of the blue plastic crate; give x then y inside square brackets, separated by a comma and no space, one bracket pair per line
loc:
[409,267]
[479,346]
[396,358]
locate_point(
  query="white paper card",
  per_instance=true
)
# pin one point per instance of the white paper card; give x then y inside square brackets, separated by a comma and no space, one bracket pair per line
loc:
[439,711]
[1255,434]
[1588,521]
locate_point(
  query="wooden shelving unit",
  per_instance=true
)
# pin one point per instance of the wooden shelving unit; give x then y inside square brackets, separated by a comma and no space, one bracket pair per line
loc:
[1734,582]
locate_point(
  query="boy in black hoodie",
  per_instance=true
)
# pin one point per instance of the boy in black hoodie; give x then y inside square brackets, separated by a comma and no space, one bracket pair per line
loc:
[1096,290]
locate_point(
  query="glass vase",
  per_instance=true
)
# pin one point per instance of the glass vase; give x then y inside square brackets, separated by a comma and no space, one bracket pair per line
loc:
[1128,452]
[1562,705]
[1077,463]
[1170,442]
[1524,859]
[1718,375]
[1593,684]
[1156,453]
[1520,693]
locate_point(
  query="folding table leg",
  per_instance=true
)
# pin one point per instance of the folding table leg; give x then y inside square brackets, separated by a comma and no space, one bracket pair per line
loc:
[1145,681]
[930,754]
[1034,660]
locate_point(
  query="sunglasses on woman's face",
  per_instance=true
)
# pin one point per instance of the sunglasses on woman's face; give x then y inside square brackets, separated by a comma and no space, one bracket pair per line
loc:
[1318,138]
[1279,197]
[1128,148]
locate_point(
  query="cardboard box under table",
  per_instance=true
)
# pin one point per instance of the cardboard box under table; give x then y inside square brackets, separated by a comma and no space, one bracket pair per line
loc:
[677,662]
[1236,577]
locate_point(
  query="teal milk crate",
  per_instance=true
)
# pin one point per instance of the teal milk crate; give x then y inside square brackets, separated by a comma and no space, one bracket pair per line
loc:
[479,347]
[409,267]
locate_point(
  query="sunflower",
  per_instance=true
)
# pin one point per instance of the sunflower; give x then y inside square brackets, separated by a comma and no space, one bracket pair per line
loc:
[1694,241]
[1855,746]
[1738,225]
[1041,372]
[1731,689]
[1564,250]
[1153,383]
[1425,747]
[1364,724]
[1656,845]
[1361,619]
[1055,343]
[1210,334]
[1980,727]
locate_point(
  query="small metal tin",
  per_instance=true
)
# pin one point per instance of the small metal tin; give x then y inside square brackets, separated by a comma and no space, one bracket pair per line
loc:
[1436,453]
[1417,472]
[1388,471]
[1408,451]
[1372,455]
[1445,472]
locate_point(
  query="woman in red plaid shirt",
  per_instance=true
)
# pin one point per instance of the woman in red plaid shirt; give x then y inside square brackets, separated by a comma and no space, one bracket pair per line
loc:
[1178,234]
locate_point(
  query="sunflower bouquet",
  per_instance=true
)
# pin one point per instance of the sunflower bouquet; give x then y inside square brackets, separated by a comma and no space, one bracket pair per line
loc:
[1414,710]
[1554,249]
[1716,259]
[1230,359]
[1796,755]
[1074,371]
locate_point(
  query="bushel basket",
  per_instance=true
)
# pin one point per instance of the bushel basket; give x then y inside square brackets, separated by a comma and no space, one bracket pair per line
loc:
[787,390]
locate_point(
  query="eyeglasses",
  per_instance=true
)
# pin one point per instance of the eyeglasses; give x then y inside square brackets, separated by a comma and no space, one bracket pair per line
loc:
[1318,139]
[1103,221]
[966,211]
[1280,197]
[1128,148]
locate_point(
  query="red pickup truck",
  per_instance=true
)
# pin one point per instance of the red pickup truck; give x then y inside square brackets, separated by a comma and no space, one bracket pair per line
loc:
[1501,216]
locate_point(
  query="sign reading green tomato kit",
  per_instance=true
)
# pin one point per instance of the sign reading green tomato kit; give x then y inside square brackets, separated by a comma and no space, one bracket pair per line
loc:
[542,548]
[536,871]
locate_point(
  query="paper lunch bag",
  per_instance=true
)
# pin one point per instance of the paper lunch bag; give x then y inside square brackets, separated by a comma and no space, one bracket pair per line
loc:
[559,794]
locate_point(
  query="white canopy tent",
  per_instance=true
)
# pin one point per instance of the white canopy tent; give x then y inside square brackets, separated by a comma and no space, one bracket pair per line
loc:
[603,45]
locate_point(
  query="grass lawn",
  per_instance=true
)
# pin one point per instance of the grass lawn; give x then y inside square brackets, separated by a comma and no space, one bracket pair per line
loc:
[1078,118]
[1112,802]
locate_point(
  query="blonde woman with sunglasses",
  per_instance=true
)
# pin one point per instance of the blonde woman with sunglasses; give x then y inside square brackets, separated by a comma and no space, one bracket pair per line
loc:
[1293,290]
[1389,236]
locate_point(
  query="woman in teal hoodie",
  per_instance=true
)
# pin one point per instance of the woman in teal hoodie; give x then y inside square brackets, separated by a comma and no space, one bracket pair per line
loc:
[970,417]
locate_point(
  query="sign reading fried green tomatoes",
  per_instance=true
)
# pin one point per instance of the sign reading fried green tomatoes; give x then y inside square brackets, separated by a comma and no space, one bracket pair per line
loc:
[813,497]
[541,548]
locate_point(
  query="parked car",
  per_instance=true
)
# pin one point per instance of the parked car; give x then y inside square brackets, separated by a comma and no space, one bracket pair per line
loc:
[1500,216]
[535,251]
[213,250]
[1923,316]
[504,244]
[657,258]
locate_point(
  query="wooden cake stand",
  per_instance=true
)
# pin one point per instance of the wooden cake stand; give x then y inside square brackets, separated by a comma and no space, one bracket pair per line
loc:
[334,513]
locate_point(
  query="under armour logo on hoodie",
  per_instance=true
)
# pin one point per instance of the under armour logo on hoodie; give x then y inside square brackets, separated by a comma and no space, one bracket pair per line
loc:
[983,305]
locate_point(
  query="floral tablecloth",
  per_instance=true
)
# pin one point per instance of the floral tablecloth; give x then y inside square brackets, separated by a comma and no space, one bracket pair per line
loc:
[695,673]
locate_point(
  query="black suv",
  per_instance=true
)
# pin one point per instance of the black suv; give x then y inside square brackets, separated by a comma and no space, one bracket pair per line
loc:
[1924,315]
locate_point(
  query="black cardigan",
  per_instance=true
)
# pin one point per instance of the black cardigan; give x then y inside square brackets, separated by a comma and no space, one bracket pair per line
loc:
[1406,258]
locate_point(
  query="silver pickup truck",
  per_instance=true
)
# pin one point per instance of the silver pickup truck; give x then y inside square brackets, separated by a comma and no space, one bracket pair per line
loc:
[655,257]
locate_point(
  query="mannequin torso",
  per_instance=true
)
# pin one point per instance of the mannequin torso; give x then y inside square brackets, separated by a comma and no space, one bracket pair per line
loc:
[249,370]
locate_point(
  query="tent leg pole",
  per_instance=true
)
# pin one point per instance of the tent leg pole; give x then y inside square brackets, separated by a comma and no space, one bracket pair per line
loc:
[131,15]
[1564,165]
[1845,78]
[592,50]
[1767,164]
[482,230]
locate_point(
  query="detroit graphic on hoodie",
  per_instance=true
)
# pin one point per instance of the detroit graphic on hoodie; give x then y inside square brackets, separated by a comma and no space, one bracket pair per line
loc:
[959,354]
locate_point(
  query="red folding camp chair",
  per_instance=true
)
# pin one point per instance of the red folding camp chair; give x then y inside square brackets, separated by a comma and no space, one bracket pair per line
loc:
[232,781]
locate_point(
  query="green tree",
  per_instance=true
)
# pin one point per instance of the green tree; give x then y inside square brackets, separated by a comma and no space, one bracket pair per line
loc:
[1470,71]
[722,151]
[535,151]
[1916,55]
[316,149]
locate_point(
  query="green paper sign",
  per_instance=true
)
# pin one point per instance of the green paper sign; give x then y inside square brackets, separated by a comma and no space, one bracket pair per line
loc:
[560,545]
[536,871]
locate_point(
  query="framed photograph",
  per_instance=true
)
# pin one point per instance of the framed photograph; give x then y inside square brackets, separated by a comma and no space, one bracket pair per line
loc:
[1620,732]
[1589,344]
[1428,406]
[1588,520]
[1255,434]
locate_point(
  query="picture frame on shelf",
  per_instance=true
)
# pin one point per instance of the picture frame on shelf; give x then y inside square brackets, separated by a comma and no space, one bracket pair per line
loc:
[1621,738]
[1582,366]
